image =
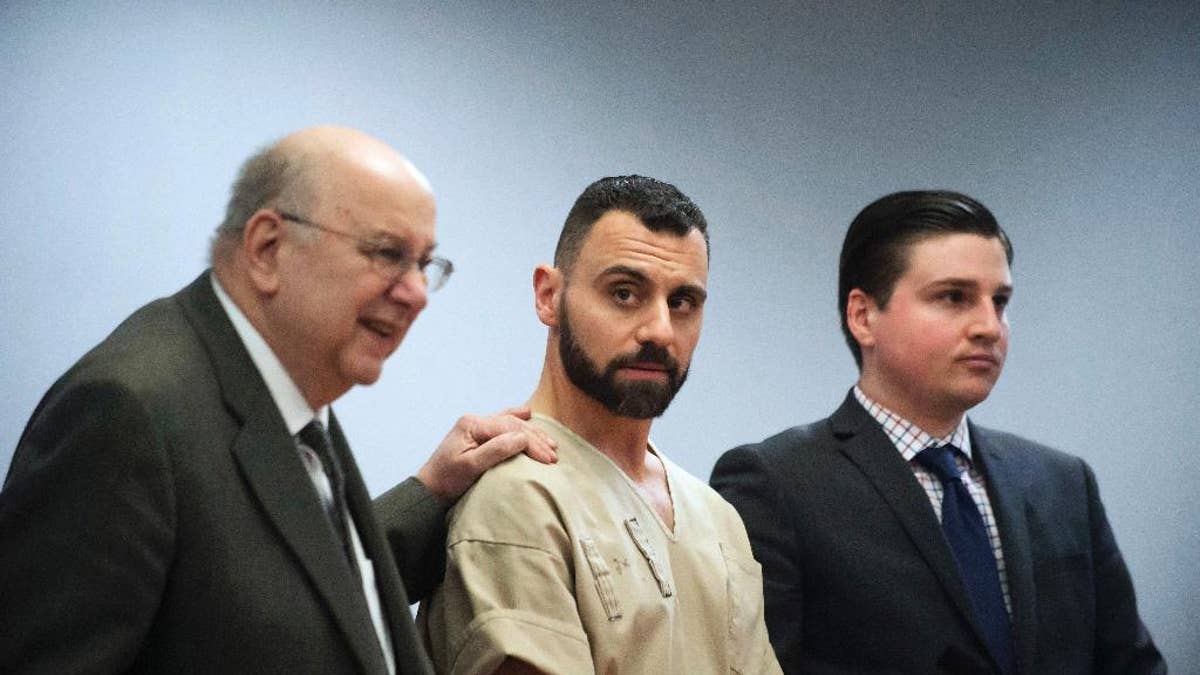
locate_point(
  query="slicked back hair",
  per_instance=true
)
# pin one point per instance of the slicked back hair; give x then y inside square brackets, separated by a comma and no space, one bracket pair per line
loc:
[659,206]
[875,251]
[268,178]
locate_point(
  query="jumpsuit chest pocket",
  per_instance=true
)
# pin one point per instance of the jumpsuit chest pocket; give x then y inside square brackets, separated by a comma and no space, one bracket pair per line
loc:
[629,567]
[744,591]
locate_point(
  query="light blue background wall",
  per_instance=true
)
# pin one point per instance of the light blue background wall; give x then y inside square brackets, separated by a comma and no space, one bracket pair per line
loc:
[123,125]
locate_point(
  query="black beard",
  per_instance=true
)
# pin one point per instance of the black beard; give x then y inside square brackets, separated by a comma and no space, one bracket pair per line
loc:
[638,399]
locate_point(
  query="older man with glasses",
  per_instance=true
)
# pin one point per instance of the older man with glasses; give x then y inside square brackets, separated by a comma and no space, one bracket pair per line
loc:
[183,499]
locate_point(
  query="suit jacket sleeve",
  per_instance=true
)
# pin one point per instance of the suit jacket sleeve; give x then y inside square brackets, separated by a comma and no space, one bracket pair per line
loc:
[1123,645]
[86,534]
[414,521]
[754,480]
[743,478]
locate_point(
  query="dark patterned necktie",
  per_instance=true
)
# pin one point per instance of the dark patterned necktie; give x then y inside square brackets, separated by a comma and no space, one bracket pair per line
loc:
[968,538]
[315,437]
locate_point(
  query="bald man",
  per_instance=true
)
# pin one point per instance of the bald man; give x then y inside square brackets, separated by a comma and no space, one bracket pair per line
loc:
[183,500]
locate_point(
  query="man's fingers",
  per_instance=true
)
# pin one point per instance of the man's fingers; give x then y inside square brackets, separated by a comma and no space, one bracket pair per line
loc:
[498,449]
[522,412]
[483,429]
[541,447]
[531,441]
[476,444]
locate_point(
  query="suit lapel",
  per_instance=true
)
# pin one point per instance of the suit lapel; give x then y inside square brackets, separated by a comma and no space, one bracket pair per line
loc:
[392,596]
[1007,484]
[274,473]
[865,443]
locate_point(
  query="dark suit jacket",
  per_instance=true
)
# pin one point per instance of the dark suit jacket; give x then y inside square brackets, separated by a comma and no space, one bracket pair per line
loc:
[858,576]
[157,518]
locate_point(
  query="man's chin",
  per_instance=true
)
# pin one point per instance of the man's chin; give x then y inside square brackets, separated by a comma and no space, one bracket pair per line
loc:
[366,372]
[973,395]
[638,414]
[642,400]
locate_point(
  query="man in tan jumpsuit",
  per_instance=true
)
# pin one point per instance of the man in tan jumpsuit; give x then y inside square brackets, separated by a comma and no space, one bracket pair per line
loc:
[615,559]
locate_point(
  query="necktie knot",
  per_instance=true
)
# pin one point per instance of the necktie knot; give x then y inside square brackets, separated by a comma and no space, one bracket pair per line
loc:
[939,459]
[317,438]
[314,436]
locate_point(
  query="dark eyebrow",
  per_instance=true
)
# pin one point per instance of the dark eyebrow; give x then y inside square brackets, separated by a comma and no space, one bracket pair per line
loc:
[626,271]
[693,289]
[968,284]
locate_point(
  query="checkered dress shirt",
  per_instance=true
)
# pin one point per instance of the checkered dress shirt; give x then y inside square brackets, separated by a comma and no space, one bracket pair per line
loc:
[909,440]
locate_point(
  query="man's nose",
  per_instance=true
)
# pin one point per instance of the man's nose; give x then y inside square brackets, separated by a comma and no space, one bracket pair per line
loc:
[987,321]
[410,289]
[656,325]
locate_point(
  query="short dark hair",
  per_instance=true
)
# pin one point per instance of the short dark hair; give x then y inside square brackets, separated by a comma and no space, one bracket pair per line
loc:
[660,206]
[875,252]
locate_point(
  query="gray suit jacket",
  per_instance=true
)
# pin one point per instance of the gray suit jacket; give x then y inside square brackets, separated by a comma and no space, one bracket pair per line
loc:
[858,576]
[157,518]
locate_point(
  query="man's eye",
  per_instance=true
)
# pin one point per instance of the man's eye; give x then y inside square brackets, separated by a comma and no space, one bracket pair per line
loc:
[623,294]
[1001,302]
[953,297]
[682,303]
[390,256]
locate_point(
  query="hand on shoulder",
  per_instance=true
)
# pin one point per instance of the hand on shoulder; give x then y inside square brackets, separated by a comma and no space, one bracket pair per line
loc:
[476,444]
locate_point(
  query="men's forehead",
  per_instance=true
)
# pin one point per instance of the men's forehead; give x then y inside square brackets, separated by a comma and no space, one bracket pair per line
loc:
[383,204]
[621,237]
[959,255]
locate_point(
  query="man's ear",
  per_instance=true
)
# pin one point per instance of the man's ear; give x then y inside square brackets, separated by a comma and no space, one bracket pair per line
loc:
[261,240]
[861,314]
[547,293]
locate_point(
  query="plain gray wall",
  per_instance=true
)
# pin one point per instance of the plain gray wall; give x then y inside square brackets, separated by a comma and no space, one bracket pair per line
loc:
[1077,123]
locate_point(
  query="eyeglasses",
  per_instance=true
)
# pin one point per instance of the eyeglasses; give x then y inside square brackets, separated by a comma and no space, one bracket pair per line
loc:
[391,261]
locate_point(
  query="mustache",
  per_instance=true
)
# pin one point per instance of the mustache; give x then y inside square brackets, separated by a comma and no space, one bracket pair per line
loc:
[649,353]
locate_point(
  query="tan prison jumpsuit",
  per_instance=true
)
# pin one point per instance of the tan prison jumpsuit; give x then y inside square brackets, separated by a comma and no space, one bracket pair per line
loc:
[569,568]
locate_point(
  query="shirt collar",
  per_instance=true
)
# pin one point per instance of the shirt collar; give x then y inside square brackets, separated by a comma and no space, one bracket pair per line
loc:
[284,392]
[908,438]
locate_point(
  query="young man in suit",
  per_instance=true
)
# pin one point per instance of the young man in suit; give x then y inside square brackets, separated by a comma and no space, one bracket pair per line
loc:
[898,536]
[183,500]
[615,560]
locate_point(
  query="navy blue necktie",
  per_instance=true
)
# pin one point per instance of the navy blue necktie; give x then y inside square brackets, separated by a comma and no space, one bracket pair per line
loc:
[315,437]
[968,539]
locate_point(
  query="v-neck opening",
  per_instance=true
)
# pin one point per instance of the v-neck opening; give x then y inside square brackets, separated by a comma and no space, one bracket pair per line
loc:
[670,533]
